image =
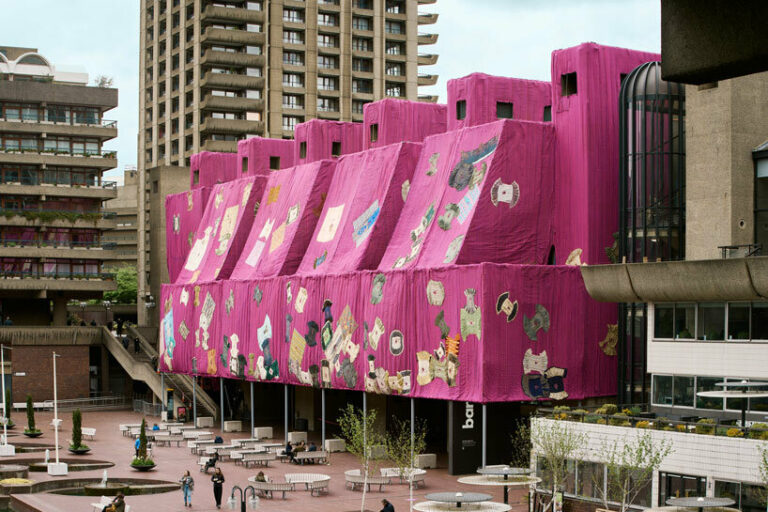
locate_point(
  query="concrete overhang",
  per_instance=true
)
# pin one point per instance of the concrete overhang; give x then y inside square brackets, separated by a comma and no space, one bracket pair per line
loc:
[676,281]
[709,40]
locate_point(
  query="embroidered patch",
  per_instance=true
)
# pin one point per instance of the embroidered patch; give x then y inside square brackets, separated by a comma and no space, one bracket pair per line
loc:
[404,189]
[230,302]
[320,259]
[396,343]
[445,331]
[433,164]
[611,340]
[274,193]
[539,321]
[176,223]
[330,223]
[348,373]
[535,362]
[278,236]
[301,299]
[206,316]
[196,302]
[478,175]
[425,371]
[347,322]
[327,310]
[377,289]
[211,370]
[574,259]
[376,333]
[288,292]
[257,295]
[470,316]
[363,225]
[183,330]
[198,250]
[218,198]
[467,203]
[505,193]
[326,335]
[547,385]
[453,249]
[296,352]
[435,293]
[288,320]
[266,230]
[264,336]
[506,306]
[462,173]
[444,221]
[255,255]
[293,214]
[184,296]
[312,330]
[190,201]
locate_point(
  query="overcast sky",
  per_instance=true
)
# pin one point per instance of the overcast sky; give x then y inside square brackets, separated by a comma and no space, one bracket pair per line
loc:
[498,37]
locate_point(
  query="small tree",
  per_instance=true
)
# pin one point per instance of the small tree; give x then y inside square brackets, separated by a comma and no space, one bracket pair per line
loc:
[630,467]
[127,286]
[520,439]
[763,469]
[554,443]
[8,420]
[358,433]
[103,81]
[143,459]
[31,416]
[402,448]
[77,430]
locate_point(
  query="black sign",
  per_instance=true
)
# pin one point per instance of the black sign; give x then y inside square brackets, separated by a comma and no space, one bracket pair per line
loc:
[465,437]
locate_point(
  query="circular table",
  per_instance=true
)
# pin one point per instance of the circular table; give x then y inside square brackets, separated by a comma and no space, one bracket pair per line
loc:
[700,502]
[306,478]
[500,475]
[458,497]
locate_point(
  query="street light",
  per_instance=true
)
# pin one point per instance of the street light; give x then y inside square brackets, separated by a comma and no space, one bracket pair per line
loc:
[56,468]
[6,450]
[194,392]
[253,502]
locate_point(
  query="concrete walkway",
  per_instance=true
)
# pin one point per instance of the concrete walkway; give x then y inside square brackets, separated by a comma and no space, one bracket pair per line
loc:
[110,445]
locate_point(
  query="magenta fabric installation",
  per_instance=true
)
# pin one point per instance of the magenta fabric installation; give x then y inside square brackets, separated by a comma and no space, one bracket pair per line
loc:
[256,156]
[208,168]
[398,121]
[183,213]
[482,95]
[415,268]
[365,199]
[290,207]
[315,140]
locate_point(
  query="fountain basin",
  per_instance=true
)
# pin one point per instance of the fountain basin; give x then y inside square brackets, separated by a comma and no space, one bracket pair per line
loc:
[108,489]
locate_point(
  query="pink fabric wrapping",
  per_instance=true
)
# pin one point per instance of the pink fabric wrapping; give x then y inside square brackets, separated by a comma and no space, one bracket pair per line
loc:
[183,213]
[586,213]
[454,346]
[289,209]
[319,136]
[402,121]
[361,210]
[257,152]
[478,194]
[223,230]
[481,92]
[212,168]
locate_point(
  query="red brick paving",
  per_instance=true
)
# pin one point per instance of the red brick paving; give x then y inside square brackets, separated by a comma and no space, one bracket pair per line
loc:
[110,445]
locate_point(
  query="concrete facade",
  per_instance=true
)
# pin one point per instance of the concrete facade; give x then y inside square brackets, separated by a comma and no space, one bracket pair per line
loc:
[125,208]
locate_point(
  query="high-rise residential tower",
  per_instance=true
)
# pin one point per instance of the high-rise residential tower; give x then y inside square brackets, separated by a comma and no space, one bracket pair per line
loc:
[217,71]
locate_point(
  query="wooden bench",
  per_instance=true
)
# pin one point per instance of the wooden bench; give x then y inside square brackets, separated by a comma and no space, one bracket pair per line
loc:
[160,439]
[312,457]
[318,488]
[262,459]
[88,432]
[355,480]
[267,488]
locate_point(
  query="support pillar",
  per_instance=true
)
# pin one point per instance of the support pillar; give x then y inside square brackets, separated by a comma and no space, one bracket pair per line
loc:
[253,425]
[221,401]
[485,430]
[285,393]
[322,418]
[59,311]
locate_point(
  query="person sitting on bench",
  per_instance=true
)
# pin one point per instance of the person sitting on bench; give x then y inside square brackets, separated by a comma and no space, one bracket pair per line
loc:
[211,463]
[299,448]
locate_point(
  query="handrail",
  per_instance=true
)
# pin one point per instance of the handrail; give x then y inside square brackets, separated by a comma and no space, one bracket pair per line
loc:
[104,276]
[38,119]
[101,153]
[741,250]
[18,242]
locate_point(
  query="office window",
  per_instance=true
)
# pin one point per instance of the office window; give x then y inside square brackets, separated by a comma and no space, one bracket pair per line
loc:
[711,321]
[461,109]
[274,163]
[708,384]
[374,132]
[685,321]
[759,321]
[335,148]
[738,321]
[662,390]
[568,84]
[663,321]
[303,149]
[504,110]
[683,391]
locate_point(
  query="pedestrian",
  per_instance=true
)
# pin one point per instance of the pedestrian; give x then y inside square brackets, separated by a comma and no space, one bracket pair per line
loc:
[136,345]
[387,506]
[187,486]
[136,445]
[218,483]
[117,505]
[261,477]
[125,342]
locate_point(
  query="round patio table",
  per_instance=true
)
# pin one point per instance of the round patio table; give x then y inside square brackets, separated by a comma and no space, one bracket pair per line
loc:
[459,497]
[701,502]
[501,475]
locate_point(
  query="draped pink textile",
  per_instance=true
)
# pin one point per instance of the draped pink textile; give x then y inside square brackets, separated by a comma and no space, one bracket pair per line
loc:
[482,93]
[319,135]
[183,213]
[363,204]
[208,168]
[256,156]
[399,121]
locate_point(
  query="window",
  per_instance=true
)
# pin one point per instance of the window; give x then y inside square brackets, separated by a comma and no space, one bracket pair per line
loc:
[293,58]
[662,390]
[395,69]
[293,101]
[274,163]
[293,80]
[303,149]
[330,20]
[461,109]
[663,321]
[358,106]
[394,48]
[327,83]
[395,7]
[685,321]
[360,23]
[504,110]
[683,391]
[335,148]
[293,15]
[362,44]
[327,41]
[364,4]
[293,37]
[327,104]
[568,84]
[708,384]
[362,86]
[253,94]
[253,116]
[394,90]
[253,27]
[738,321]
[290,122]
[394,27]
[759,321]
[591,479]
[711,321]
[253,50]
[374,132]
[364,65]
[253,6]
[253,72]
[327,62]
[547,117]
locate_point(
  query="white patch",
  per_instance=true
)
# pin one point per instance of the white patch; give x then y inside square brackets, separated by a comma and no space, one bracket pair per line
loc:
[255,254]
[267,229]
[330,223]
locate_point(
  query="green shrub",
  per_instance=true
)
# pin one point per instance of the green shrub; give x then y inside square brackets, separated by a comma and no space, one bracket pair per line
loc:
[681,428]
[77,432]
[619,419]
[578,414]
[30,416]
[660,423]
[759,433]
[734,432]
[705,426]
[643,424]
[592,418]
[608,409]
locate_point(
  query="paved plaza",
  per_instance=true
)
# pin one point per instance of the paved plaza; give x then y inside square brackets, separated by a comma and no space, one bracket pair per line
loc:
[109,444]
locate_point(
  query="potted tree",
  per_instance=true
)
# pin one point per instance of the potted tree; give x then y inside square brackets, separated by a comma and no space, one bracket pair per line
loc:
[8,404]
[31,430]
[76,446]
[143,462]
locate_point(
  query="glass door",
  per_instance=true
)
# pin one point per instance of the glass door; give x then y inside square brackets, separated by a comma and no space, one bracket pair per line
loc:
[680,486]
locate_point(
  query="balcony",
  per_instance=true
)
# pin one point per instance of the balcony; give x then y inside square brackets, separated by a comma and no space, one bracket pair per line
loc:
[427,38]
[427,80]
[215,57]
[427,2]
[57,219]
[427,59]
[225,14]
[214,80]
[41,282]
[97,159]
[428,18]
[428,98]
[95,191]
[222,35]
[232,126]
[231,104]
[104,129]
[220,146]
[50,249]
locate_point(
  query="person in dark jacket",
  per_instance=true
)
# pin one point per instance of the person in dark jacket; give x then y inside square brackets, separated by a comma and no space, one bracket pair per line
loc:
[218,485]
[387,506]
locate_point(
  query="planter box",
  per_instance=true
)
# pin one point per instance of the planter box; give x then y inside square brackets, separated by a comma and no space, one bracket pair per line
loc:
[335,445]
[263,433]
[295,437]
[233,426]
[426,460]
[204,422]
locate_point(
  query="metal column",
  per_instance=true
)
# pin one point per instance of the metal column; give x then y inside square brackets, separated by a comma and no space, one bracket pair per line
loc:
[322,418]
[485,424]
[253,425]
[194,401]
[221,401]
[285,387]
[162,395]
[365,419]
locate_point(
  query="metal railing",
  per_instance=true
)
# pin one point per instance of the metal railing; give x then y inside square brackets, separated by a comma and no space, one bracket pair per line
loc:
[147,408]
[64,180]
[88,153]
[41,119]
[740,251]
[96,402]
[15,242]
[30,212]
[36,274]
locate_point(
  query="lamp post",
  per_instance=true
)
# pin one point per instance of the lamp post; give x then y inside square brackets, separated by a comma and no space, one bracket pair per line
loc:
[194,391]
[6,450]
[56,468]
[253,502]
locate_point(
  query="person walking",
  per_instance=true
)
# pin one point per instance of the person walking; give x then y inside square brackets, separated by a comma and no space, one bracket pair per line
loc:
[187,486]
[218,484]
[387,506]
[137,445]
[136,345]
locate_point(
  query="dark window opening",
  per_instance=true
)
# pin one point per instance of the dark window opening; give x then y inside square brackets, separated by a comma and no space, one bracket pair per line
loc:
[154,187]
[551,257]
[245,164]
[568,84]
[336,148]
[461,109]
[303,150]
[622,76]
[547,114]
[504,110]
[274,163]
[374,132]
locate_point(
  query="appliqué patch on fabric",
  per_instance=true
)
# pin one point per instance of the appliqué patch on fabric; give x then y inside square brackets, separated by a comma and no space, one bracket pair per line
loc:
[218,198]
[183,330]
[278,236]
[478,175]
[539,321]
[611,340]
[229,304]
[288,292]
[196,301]
[176,223]
[274,193]
[435,293]
[462,173]
[574,259]
[467,203]
[444,221]
[190,201]
[376,333]
[301,299]
[211,370]
[445,331]
[470,316]
[330,223]
[535,362]
[320,259]
[257,295]
[293,214]
[377,288]
[191,238]
[453,249]
[396,342]
[198,251]
[363,225]
[505,306]
[433,164]
[505,193]
[246,194]
[184,296]
[266,230]
[255,255]
[404,189]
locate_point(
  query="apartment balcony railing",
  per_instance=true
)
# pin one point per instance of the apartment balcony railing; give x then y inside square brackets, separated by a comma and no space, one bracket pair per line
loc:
[41,179]
[37,119]
[50,215]
[42,274]
[740,251]
[95,153]
[18,242]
